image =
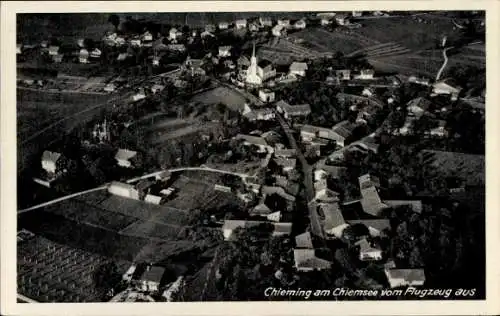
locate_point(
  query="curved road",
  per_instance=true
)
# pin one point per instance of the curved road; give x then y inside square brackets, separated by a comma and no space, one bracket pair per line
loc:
[105,186]
[444,63]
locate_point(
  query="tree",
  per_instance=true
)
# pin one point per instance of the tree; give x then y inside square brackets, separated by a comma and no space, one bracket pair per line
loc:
[114,20]
[106,277]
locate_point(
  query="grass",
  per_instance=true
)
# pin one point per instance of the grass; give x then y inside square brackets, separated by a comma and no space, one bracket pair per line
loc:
[322,40]
[150,229]
[224,95]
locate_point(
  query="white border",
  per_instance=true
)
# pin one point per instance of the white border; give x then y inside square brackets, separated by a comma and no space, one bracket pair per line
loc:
[8,167]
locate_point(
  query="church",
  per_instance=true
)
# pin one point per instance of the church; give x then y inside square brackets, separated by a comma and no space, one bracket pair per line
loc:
[258,72]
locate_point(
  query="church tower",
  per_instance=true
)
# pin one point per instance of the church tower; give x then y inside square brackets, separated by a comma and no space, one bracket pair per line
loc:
[252,77]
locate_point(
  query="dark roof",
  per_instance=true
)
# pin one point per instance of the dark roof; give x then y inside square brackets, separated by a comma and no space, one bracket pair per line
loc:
[154,274]
[263,63]
[378,224]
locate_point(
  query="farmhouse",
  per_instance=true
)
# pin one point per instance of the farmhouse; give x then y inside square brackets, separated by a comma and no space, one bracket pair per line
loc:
[300,24]
[224,51]
[53,50]
[57,58]
[418,106]
[366,74]
[290,111]
[287,164]
[222,188]
[320,174]
[95,53]
[323,194]
[240,24]
[306,260]
[151,278]
[333,221]
[53,162]
[260,142]
[110,87]
[370,200]
[123,189]
[265,69]
[139,95]
[278,30]
[124,157]
[298,69]
[265,21]
[446,87]
[269,190]
[304,240]
[83,57]
[266,95]
[157,88]
[153,199]
[405,277]
[284,22]
[223,26]
[176,47]
[343,74]
[147,36]
[326,20]
[342,19]
[264,114]
[309,132]
[367,252]
[135,42]
[174,34]
[342,131]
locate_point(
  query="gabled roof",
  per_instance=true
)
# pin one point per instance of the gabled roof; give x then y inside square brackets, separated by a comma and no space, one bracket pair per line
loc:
[333,215]
[420,102]
[364,246]
[252,139]
[277,190]
[368,180]
[50,156]
[304,240]
[125,154]
[298,66]
[286,162]
[409,275]
[284,228]
[306,258]
[371,202]
[344,128]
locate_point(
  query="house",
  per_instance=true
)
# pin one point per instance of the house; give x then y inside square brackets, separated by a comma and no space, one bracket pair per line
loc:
[163,176]
[370,200]
[261,208]
[287,164]
[418,106]
[269,190]
[57,58]
[367,252]
[266,95]
[278,30]
[225,51]
[176,47]
[205,34]
[298,69]
[300,24]
[323,194]
[343,74]
[439,131]
[304,240]
[357,14]
[157,88]
[320,174]
[210,28]
[366,74]
[127,276]
[122,56]
[95,53]
[222,188]
[167,192]
[415,205]
[147,36]
[19,49]
[265,69]
[290,111]
[174,34]
[153,199]
[274,217]
[333,221]
[223,25]
[123,189]
[110,87]
[156,60]
[368,92]
[306,260]
[83,57]
[135,42]
[139,95]
[264,114]
[405,277]
[309,132]
[253,27]
[240,24]
[326,20]
[375,226]
[53,50]
[124,157]
[285,153]
[446,87]
[260,142]
[151,278]
[243,62]
[53,162]
[342,19]
[284,22]
[265,21]
[342,131]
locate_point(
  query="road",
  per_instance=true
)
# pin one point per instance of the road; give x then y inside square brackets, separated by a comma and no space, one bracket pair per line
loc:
[153,174]
[444,63]
[25,299]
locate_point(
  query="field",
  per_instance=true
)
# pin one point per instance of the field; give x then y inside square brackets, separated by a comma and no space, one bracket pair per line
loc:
[324,41]
[224,95]
[52,272]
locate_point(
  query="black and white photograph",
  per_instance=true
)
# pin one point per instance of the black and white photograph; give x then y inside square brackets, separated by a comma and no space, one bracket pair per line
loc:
[321,155]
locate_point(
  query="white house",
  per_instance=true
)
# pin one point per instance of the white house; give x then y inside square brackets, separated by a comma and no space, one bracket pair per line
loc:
[151,278]
[19,49]
[368,92]
[127,276]
[83,57]
[241,24]
[135,42]
[174,34]
[122,56]
[266,95]
[147,36]
[342,19]
[95,53]
[52,162]
[367,252]
[223,26]
[326,20]
[447,88]
[110,87]
[284,22]
[139,96]
[320,174]
[157,88]
[53,50]
[357,14]
[123,189]
[265,21]
[274,217]
[298,68]
[277,30]
[153,199]
[300,24]
[124,157]
[366,74]
[224,51]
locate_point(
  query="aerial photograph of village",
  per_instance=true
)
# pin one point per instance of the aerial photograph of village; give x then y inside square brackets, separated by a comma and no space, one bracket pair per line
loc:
[250,156]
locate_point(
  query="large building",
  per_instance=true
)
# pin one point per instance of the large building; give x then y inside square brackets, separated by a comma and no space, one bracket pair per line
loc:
[253,77]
